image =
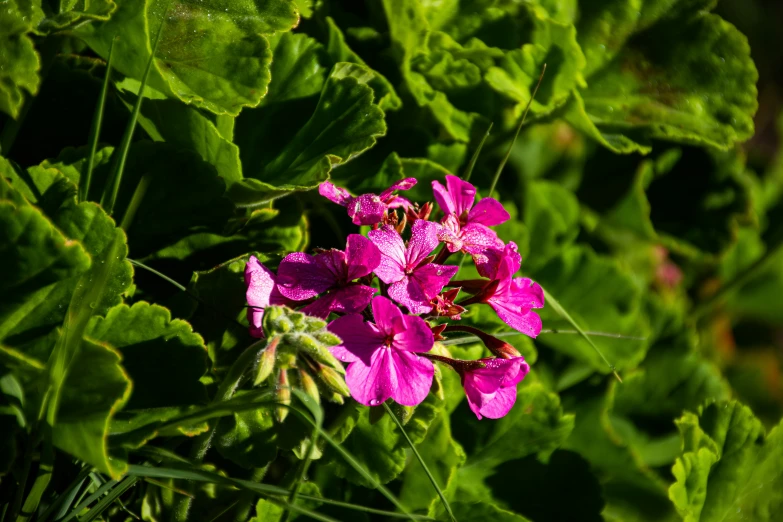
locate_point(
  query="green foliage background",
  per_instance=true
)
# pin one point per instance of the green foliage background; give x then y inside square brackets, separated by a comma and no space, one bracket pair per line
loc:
[646,193]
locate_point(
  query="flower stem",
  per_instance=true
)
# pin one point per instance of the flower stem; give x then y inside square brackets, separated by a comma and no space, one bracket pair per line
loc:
[421,461]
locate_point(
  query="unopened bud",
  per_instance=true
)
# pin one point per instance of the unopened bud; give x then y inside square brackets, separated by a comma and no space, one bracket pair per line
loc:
[308,386]
[328,338]
[437,330]
[283,392]
[333,380]
[314,349]
[314,324]
[298,319]
[266,362]
[498,347]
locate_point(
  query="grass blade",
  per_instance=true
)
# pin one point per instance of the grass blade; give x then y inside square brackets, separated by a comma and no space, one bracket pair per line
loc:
[113,494]
[95,129]
[89,500]
[115,177]
[467,339]
[551,301]
[317,412]
[421,461]
[516,134]
[469,169]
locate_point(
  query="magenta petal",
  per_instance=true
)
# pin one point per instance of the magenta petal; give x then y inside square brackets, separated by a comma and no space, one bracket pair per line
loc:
[255,316]
[300,276]
[361,256]
[527,292]
[374,382]
[424,239]
[260,283]
[360,338]
[392,249]
[443,198]
[477,237]
[388,317]
[517,317]
[403,184]
[398,202]
[409,293]
[432,278]
[491,391]
[334,194]
[414,336]
[488,261]
[462,193]
[367,209]
[348,299]
[488,212]
[500,403]
[413,376]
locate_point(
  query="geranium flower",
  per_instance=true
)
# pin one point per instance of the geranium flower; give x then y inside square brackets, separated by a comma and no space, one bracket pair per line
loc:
[261,292]
[301,276]
[412,282]
[513,298]
[383,355]
[368,209]
[466,227]
[492,389]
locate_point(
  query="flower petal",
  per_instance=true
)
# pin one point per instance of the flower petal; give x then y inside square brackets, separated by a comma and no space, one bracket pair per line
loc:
[348,299]
[517,317]
[388,316]
[392,249]
[527,292]
[443,198]
[500,403]
[361,256]
[409,293]
[367,209]
[335,194]
[414,335]
[413,376]
[260,283]
[403,184]
[462,193]
[424,239]
[489,212]
[432,278]
[374,382]
[360,338]
[255,316]
[477,237]
[300,276]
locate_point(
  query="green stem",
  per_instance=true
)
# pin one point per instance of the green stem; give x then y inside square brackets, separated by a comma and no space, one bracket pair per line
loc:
[95,129]
[421,461]
[245,503]
[303,471]
[138,196]
[225,391]
[516,134]
[115,178]
[469,169]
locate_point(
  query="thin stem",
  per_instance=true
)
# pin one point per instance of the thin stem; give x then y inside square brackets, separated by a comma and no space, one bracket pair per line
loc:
[467,339]
[303,471]
[469,169]
[113,187]
[95,129]
[421,461]
[138,196]
[516,134]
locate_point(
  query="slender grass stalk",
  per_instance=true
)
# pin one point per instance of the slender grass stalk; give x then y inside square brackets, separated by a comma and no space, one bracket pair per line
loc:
[113,494]
[467,339]
[95,129]
[421,461]
[135,202]
[62,504]
[516,134]
[89,500]
[565,315]
[118,167]
[317,412]
[469,169]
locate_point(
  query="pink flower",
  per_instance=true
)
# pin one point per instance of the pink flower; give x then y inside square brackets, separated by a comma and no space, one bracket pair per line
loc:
[492,390]
[261,292]
[302,276]
[514,298]
[412,282]
[466,227]
[383,356]
[367,209]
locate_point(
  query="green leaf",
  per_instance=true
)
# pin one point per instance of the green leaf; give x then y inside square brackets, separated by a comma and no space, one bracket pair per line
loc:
[728,470]
[687,79]
[163,357]
[551,216]
[345,123]
[299,68]
[551,43]
[19,73]
[72,12]
[340,52]
[578,272]
[378,447]
[248,438]
[211,54]
[94,388]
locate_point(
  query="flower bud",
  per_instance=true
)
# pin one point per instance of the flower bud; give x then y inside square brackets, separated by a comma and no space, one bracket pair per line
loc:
[307,344]
[266,362]
[308,385]
[328,338]
[283,392]
[333,380]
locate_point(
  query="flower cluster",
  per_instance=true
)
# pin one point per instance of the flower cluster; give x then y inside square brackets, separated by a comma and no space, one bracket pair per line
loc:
[392,298]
